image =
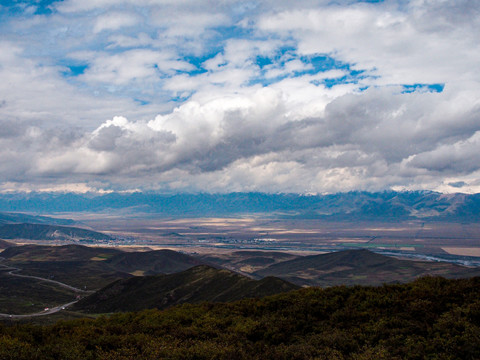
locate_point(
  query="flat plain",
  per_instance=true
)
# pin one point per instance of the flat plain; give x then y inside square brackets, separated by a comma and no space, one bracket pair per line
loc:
[305,236]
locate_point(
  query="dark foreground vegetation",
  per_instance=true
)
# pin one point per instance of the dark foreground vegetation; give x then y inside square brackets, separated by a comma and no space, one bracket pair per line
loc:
[430,318]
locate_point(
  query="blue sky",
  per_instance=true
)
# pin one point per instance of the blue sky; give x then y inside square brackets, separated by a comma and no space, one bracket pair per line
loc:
[218,96]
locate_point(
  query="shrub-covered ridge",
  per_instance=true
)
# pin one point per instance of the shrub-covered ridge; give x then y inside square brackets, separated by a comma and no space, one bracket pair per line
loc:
[431,318]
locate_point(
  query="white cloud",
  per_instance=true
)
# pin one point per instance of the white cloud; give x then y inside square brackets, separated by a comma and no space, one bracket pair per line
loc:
[187,24]
[36,93]
[124,41]
[461,157]
[400,45]
[193,108]
[122,68]
[252,142]
[114,21]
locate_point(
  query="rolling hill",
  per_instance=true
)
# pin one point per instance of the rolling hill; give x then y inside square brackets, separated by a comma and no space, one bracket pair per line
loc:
[359,267]
[247,261]
[5,244]
[152,262]
[94,267]
[198,284]
[45,253]
[75,265]
[88,268]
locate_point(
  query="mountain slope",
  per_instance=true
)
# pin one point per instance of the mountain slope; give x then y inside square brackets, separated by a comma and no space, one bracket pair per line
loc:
[94,267]
[247,261]
[15,218]
[72,252]
[201,283]
[48,232]
[385,205]
[75,265]
[359,267]
[152,262]
[5,244]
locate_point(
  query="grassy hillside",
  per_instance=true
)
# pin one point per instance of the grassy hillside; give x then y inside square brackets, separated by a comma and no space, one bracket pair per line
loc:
[96,267]
[359,267]
[201,283]
[27,253]
[93,267]
[247,261]
[25,296]
[431,318]
[5,244]
[48,232]
[75,265]
[152,262]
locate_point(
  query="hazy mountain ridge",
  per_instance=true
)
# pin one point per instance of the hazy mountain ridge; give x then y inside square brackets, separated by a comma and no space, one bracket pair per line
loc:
[18,218]
[351,205]
[49,232]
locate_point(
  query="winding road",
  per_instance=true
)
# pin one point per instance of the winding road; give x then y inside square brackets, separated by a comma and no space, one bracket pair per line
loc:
[13,272]
[41,313]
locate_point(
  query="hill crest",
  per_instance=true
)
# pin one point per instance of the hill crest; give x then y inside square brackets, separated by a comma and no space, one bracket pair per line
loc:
[359,267]
[197,284]
[49,232]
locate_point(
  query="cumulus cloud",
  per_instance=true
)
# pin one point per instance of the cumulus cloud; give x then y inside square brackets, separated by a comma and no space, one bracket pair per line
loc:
[250,142]
[419,42]
[114,21]
[461,157]
[266,96]
[37,93]
[134,65]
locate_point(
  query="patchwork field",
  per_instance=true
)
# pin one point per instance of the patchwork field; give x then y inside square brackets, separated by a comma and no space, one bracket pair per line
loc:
[305,236]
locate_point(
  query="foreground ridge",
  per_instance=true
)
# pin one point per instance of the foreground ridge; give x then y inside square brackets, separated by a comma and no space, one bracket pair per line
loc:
[429,318]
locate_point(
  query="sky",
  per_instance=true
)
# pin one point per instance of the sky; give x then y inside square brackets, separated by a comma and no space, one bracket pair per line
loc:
[236,96]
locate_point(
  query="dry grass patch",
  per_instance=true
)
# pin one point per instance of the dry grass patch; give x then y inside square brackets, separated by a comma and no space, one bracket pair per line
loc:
[463,251]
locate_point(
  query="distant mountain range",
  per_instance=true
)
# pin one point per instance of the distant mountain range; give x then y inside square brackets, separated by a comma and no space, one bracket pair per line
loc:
[351,205]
